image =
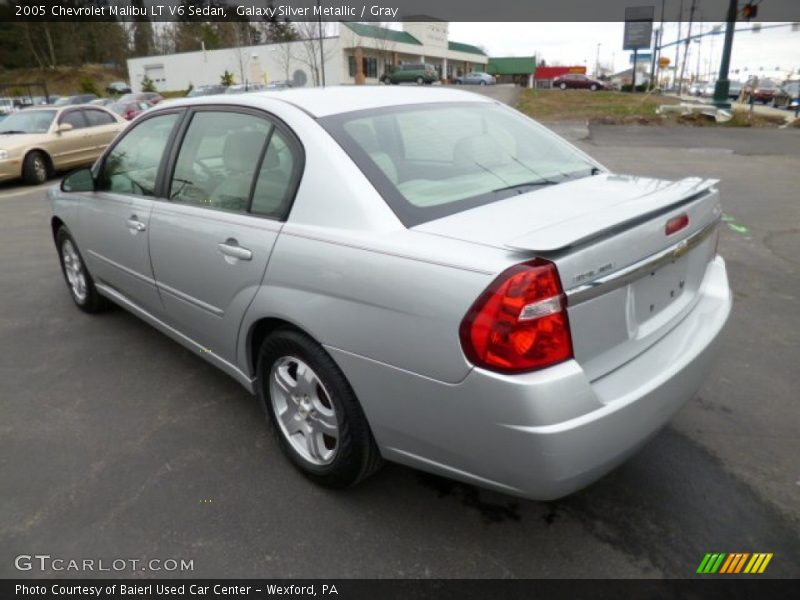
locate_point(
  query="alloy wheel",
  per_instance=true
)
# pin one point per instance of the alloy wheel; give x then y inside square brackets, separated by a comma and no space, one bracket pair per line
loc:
[73,267]
[303,410]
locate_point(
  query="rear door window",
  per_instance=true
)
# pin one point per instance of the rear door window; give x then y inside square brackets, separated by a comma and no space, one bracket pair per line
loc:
[74,118]
[97,118]
[218,159]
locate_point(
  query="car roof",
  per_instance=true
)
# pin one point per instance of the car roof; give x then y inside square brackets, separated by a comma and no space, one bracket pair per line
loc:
[323,102]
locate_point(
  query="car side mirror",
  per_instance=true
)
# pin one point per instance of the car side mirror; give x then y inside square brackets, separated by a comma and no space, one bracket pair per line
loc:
[81,180]
[64,127]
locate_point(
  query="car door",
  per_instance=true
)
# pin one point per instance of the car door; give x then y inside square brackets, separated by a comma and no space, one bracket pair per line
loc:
[103,128]
[211,240]
[114,220]
[71,148]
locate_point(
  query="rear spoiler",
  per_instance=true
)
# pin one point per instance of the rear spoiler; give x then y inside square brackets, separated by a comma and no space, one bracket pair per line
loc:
[612,219]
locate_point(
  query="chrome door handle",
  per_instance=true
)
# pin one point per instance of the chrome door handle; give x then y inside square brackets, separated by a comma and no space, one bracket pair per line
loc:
[233,249]
[134,224]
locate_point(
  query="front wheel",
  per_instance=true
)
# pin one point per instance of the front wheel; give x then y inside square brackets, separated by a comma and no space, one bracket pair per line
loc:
[483,83]
[315,415]
[563,86]
[593,88]
[420,81]
[80,283]
[34,168]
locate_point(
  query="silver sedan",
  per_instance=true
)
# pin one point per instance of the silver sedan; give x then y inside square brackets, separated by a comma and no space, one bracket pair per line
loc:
[476,79]
[421,276]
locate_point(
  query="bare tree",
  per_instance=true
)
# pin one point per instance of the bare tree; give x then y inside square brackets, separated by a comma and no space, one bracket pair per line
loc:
[384,44]
[312,51]
[285,54]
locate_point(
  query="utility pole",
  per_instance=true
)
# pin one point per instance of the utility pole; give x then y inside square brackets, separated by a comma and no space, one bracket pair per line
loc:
[699,52]
[657,48]
[321,49]
[678,48]
[597,61]
[688,40]
[723,83]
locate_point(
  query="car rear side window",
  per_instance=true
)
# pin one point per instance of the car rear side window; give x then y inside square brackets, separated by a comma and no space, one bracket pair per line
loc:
[132,165]
[97,118]
[74,118]
[276,178]
[218,158]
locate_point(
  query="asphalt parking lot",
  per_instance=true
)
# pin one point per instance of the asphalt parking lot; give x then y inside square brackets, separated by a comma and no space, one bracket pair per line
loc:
[117,442]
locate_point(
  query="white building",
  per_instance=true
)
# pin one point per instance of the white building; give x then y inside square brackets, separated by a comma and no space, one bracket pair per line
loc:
[358,54]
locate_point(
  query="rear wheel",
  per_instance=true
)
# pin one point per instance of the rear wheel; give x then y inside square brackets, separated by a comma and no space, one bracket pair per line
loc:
[483,83]
[80,283]
[593,87]
[314,413]
[563,86]
[34,168]
[420,81]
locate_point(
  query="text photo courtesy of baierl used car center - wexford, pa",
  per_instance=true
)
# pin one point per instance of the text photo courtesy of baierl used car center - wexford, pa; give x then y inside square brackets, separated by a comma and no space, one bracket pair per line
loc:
[399,299]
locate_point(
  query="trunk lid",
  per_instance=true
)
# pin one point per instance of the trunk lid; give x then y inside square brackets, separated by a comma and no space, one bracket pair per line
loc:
[627,282]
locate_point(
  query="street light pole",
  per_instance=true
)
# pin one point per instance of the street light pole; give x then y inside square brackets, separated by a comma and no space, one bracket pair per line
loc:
[597,61]
[723,85]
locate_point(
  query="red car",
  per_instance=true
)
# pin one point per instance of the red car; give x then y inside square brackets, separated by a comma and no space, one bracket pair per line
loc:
[764,91]
[578,81]
[152,98]
[129,110]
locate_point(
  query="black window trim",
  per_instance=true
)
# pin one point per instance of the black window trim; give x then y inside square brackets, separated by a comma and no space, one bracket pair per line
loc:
[162,185]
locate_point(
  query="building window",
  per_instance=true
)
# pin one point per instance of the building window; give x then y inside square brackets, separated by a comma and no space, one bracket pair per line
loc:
[370,66]
[351,65]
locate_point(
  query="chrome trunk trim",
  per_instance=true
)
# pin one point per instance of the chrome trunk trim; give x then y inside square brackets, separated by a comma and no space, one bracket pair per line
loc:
[623,277]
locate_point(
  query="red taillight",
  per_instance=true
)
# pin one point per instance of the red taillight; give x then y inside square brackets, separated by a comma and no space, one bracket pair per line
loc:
[675,224]
[520,322]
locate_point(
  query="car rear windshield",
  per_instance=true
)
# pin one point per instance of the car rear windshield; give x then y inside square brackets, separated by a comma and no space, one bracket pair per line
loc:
[433,160]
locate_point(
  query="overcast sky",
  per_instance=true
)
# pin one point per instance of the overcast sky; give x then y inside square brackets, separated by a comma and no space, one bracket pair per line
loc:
[576,43]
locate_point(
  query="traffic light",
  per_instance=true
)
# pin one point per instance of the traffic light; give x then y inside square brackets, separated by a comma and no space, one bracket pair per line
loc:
[750,11]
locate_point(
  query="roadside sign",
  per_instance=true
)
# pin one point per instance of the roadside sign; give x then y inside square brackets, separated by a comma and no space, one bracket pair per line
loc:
[638,27]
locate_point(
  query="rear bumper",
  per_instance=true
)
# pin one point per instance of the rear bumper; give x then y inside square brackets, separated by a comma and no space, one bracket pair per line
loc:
[546,434]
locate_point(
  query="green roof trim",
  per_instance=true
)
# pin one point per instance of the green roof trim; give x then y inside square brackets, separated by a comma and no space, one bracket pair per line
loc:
[382,33]
[512,65]
[459,47]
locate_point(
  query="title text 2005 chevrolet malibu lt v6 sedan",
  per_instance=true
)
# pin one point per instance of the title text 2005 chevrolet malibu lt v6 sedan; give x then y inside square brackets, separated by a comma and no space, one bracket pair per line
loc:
[423,276]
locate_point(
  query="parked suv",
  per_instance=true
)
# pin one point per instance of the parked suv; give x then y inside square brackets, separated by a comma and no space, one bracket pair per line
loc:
[413,72]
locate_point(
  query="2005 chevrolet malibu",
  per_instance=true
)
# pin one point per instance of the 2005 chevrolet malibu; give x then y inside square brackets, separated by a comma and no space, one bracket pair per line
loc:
[422,276]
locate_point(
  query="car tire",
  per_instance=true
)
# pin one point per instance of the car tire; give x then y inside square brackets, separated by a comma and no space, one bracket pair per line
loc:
[79,281]
[420,81]
[459,82]
[483,83]
[563,86]
[314,413]
[593,87]
[35,168]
